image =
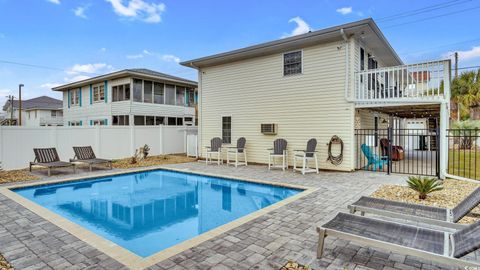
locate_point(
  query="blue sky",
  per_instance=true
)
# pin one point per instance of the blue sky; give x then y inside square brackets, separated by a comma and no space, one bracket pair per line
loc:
[75,39]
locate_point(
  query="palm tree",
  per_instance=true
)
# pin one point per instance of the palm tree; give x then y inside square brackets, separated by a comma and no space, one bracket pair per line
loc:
[466,89]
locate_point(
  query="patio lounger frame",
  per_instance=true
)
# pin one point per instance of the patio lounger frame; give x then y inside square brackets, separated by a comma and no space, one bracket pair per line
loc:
[48,158]
[420,213]
[85,154]
[446,258]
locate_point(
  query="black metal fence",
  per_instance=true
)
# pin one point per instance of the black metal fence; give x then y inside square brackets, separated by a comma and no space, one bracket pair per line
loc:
[407,151]
[463,153]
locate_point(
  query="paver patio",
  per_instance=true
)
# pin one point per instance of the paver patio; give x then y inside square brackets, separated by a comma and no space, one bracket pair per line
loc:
[29,242]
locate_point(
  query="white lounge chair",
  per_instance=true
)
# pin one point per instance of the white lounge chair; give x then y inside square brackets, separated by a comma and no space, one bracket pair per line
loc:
[437,246]
[305,156]
[279,150]
[236,151]
[215,149]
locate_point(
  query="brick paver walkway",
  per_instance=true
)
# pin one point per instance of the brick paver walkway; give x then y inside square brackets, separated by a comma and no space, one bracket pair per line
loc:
[29,242]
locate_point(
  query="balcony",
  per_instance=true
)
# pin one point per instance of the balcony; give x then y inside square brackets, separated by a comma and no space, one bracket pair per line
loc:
[427,82]
[51,121]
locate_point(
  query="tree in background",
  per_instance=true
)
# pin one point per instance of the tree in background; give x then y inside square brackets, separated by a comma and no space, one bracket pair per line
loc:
[466,92]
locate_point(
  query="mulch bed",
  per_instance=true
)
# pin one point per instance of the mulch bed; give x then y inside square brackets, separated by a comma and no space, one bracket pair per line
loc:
[291,265]
[16,176]
[126,163]
[453,192]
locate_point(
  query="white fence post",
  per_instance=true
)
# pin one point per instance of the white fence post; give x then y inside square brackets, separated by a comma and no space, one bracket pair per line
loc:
[132,140]
[98,143]
[161,134]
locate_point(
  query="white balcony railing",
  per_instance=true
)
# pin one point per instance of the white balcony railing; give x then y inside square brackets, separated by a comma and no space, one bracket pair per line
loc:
[53,121]
[429,81]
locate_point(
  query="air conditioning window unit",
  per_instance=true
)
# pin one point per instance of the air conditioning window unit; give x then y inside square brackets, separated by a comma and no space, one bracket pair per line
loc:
[269,129]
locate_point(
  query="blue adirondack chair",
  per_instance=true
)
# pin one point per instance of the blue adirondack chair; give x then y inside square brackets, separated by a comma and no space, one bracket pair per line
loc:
[373,159]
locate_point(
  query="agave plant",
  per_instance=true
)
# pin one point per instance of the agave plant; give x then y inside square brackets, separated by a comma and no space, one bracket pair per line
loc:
[424,185]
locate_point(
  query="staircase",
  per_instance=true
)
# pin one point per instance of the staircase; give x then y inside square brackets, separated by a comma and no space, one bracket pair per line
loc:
[432,127]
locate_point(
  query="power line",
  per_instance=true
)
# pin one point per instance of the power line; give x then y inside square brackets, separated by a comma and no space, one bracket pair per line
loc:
[43,67]
[470,67]
[440,46]
[433,17]
[422,10]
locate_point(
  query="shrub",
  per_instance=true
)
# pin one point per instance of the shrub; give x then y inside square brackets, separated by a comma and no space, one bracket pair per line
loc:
[146,150]
[424,185]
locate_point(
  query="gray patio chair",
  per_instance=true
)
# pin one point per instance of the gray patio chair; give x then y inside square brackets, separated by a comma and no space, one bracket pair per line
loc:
[415,212]
[305,156]
[279,150]
[48,158]
[215,149]
[85,154]
[235,151]
[437,246]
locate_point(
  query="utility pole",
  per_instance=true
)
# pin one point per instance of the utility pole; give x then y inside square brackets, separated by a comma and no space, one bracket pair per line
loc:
[456,75]
[20,104]
[10,98]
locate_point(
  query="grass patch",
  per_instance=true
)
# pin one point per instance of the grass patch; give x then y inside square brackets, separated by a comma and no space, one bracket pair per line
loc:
[152,161]
[464,163]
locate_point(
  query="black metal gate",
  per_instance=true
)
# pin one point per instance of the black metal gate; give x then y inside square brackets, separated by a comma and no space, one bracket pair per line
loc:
[463,153]
[406,151]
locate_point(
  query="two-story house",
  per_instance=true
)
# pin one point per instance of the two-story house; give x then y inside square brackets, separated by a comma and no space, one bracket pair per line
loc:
[40,111]
[344,82]
[130,97]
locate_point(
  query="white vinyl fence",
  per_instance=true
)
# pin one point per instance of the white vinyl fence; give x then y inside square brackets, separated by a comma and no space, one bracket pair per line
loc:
[111,142]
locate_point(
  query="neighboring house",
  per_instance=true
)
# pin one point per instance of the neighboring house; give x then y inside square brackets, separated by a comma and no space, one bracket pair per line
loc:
[40,111]
[323,83]
[130,97]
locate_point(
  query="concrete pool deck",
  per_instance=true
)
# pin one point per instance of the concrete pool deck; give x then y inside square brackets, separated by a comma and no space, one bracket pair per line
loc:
[28,241]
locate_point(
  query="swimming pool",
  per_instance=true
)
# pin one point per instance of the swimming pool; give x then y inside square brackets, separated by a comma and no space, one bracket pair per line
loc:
[147,212]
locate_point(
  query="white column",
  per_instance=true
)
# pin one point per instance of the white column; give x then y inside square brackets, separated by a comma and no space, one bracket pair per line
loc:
[444,116]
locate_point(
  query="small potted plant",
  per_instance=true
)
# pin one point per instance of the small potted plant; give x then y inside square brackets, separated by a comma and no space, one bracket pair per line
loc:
[146,150]
[424,185]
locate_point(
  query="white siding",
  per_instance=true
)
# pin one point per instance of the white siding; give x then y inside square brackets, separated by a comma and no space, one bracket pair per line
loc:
[309,105]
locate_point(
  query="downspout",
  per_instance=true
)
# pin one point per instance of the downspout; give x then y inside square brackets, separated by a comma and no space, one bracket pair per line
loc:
[347,64]
[199,100]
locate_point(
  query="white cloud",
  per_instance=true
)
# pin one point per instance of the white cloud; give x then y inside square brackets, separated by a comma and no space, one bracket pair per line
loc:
[302,27]
[135,56]
[163,57]
[139,10]
[76,78]
[80,12]
[170,58]
[465,55]
[345,10]
[89,68]
[103,50]
[50,85]
[54,1]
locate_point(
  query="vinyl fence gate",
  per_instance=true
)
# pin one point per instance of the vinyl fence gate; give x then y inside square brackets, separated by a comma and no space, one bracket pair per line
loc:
[404,151]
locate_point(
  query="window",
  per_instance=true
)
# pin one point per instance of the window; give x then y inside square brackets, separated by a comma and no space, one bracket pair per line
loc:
[137,90]
[179,121]
[28,115]
[121,92]
[362,59]
[227,129]
[99,93]
[139,120]
[99,122]
[190,97]
[170,94]
[172,121]
[52,114]
[75,97]
[292,63]
[120,120]
[189,121]
[75,123]
[180,96]
[147,92]
[158,93]
[150,120]
[159,120]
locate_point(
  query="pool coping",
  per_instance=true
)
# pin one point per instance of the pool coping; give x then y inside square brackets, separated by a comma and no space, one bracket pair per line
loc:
[121,254]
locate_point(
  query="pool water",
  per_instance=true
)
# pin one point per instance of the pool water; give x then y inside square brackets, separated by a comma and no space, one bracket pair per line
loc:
[150,211]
